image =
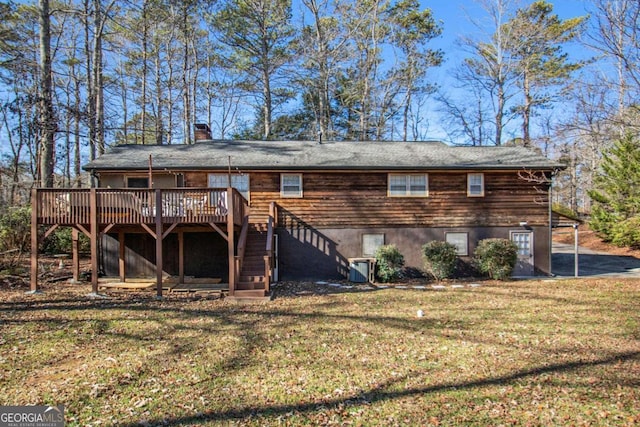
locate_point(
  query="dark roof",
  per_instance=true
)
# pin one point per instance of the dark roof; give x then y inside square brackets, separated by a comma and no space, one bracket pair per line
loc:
[304,155]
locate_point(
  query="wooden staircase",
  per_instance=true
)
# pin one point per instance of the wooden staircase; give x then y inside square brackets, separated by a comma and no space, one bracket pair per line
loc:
[251,281]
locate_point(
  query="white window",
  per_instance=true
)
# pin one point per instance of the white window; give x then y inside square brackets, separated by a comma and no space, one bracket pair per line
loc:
[239,182]
[290,185]
[371,243]
[475,184]
[460,241]
[413,185]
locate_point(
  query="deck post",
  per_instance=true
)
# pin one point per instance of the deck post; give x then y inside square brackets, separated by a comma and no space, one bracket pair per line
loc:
[121,254]
[34,240]
[75,254]
[159,233]
[93,212]
[180,256]
[231,241]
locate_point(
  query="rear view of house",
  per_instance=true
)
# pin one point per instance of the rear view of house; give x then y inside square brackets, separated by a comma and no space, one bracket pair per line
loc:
[245,211]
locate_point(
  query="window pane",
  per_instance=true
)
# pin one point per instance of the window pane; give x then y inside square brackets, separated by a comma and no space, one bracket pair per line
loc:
[371,243]
[475,184]
[418,185]
[239,182]
[460,241]
[291,185]
[138,182]
[398,185]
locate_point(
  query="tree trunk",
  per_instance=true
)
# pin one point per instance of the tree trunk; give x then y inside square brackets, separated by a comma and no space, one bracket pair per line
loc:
[91,99]
[267,106]
[47,121]
[159,102]
[76,132]
[145,47]
[526,110]
[499,114]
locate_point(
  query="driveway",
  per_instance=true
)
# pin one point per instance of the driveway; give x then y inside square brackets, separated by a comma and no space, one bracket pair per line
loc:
[592,263]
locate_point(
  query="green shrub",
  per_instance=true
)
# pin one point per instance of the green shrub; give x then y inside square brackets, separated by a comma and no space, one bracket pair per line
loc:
[389,263]
[626,233]
[440,259]
[496,258]
[60,242]
[15,229]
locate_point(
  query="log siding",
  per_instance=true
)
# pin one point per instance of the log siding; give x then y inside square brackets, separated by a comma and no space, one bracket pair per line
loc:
[347,200]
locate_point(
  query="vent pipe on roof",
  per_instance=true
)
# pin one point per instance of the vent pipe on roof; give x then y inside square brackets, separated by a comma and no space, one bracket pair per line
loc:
[319,137]
[201,132]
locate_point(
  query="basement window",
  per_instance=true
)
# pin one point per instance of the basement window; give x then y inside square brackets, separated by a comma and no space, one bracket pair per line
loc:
[371,243]
[460,241]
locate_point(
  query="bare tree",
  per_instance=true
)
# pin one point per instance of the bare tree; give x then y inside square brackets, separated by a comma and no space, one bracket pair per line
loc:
[48,124]
[487,74]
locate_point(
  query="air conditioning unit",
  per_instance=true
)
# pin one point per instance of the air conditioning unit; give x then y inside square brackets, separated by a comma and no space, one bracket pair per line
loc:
[362,270]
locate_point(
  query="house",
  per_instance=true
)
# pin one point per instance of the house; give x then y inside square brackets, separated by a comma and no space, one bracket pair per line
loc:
[245,211]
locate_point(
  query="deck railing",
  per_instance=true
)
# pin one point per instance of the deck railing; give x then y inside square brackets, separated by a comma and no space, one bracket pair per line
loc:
[136,206]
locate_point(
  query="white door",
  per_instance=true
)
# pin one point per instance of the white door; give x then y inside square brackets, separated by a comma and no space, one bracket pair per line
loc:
[524,241]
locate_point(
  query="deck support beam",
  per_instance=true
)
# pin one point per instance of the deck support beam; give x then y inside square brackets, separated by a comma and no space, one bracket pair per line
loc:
[34,241]
[159,237]
[93,209]
[231,241]
[121,256]
[75,254]
[180,256]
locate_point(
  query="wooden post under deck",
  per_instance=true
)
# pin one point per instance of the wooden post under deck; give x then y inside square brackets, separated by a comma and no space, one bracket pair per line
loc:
[159,243]
[121,254]
[180,256]
[75,254]
[34,240]
[231,241]
[93,209]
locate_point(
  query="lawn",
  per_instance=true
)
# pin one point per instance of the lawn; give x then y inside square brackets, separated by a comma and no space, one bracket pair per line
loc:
[537,352]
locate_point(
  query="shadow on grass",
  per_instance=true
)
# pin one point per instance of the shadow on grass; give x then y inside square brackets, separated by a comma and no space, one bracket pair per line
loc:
[248,325]
[381,394]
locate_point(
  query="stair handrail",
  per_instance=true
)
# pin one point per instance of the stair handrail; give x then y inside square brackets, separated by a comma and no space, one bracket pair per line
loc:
[268,258]
[242,245]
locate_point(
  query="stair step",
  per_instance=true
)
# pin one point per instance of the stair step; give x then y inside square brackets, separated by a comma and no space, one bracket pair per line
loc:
[257,278]
[249,297]
[250,286]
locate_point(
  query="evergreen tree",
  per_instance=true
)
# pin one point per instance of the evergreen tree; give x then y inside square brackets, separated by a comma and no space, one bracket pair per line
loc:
[536,37]
[616,210]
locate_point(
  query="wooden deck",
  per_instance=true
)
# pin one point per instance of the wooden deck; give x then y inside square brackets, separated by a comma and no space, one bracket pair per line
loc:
[137,206]
[96,211]
[189,285]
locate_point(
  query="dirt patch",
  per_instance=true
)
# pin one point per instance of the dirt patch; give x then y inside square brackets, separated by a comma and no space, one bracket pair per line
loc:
[589,239]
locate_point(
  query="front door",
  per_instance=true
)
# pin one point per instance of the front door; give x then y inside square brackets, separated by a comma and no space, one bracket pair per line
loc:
[524,241]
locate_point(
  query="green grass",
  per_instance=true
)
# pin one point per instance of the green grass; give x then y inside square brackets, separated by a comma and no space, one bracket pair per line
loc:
[513,353]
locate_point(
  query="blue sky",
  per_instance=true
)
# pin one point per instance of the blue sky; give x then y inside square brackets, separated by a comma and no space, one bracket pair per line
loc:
[455,16]
[455,13]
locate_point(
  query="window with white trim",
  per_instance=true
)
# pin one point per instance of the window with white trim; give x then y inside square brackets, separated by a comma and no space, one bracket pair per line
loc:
[459,240]
[239,182]
[408,185]
[475,185]
[290,185]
